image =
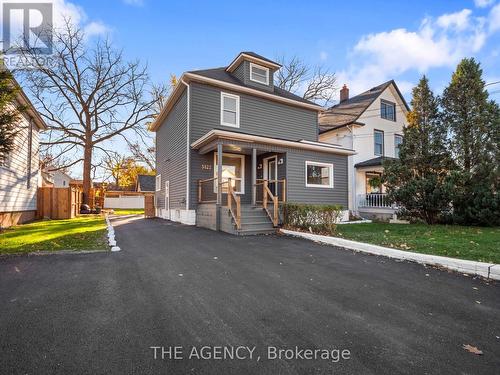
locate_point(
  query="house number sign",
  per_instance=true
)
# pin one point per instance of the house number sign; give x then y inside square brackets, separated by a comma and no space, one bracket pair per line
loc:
[206,167]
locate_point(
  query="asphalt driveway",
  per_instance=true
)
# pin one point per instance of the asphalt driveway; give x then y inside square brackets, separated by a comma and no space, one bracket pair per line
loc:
[173,285]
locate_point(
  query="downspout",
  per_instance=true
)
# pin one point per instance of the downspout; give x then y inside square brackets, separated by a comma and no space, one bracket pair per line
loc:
[188,149]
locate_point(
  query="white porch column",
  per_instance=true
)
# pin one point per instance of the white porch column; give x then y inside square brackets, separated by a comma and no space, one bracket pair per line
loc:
[219,173]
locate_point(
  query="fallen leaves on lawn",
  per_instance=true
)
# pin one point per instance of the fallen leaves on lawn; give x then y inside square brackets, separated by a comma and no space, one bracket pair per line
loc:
[472,349]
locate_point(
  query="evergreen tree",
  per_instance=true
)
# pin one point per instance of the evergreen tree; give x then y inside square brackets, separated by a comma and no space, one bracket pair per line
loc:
[474,127]
[9,113]
[419,180]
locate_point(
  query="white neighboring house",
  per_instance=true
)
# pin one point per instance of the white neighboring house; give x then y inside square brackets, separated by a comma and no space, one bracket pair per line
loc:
[370,123]
[61,179]
[19,170]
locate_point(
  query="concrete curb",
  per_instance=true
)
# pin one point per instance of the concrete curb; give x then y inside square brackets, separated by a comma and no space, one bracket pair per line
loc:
[56,252]
[488,270]
[111,236]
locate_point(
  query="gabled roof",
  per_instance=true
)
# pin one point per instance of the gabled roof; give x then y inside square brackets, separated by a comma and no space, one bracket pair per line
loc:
[253,57]
[145,182]
[222,77]
[375,162]
[349,111]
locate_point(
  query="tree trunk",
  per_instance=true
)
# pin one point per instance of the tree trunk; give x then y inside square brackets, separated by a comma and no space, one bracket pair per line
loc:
[87,167]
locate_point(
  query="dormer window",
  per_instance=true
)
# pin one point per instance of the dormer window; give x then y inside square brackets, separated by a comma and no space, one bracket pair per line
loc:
[259,74]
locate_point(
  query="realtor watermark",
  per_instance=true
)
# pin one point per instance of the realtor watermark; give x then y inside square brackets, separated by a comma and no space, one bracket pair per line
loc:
[251,353]
[27,34]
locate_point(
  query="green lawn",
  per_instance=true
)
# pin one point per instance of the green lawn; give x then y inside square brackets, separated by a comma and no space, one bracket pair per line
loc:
[129,211]
[82,233]
[473,243]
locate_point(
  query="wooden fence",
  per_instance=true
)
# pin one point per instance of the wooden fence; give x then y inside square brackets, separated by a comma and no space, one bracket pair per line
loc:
[59,203]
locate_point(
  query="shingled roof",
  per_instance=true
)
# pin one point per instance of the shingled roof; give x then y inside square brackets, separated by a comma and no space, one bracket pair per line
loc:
[221,74]
[349,111]
[145,182]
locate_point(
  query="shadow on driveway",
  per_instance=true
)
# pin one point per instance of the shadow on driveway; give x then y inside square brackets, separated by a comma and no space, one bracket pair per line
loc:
[174,285]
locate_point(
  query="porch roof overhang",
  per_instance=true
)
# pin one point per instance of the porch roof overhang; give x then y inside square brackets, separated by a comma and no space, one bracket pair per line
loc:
[375,162]
[215,135]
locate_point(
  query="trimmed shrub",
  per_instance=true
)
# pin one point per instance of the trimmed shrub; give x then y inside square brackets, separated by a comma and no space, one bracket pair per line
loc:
[318,218]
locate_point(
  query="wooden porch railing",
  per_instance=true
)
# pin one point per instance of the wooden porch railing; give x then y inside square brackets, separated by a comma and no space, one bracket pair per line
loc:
[231,195]
[267,195]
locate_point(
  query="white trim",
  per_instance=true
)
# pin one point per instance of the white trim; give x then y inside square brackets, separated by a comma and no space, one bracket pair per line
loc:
[186,77]
[253,65]
[242,157]
[266,166]
[167,197]
[231,96]
[215,133]
[158,185]
[243,56]
[188,149]
[330,176]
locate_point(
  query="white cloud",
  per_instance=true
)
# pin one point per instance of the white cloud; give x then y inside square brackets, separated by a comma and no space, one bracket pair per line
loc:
[134,2]
[95,28]
[323,56]
[438,42]
[494,19]
[483,3]
[458,20]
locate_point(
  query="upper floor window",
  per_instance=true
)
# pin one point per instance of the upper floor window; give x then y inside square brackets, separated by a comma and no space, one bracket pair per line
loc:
[398,139]
[158,182]
[388,110]
[259,74]
[229,110]
[379,142]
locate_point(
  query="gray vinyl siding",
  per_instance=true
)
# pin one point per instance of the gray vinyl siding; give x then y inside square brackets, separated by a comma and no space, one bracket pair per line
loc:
[171,155]
[242,72]
[296,177]
[15,193]
[257,116]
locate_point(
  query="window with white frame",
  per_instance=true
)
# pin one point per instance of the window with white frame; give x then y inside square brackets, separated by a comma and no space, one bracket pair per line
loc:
[229,110]
[378,136]
[398,139]
[158,182]
[319,174]
[259,74]
[233,167]
[388,110]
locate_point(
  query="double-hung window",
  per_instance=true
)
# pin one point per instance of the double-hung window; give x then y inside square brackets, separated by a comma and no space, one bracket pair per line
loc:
[158,182]
[378,135]
[229,110]
[259,74]
[388,110]
[398,139]
[319,174]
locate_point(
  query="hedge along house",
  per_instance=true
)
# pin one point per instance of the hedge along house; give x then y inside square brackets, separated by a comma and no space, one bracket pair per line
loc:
[262,141]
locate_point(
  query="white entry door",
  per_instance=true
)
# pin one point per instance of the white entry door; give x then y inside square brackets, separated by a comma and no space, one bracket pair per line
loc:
[167,198]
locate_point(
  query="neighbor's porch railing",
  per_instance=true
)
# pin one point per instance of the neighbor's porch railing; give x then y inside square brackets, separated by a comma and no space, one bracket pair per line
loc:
[374,200]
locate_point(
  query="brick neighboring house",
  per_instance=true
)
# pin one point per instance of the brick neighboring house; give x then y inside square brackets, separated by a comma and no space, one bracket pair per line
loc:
[230,146]
[19,170]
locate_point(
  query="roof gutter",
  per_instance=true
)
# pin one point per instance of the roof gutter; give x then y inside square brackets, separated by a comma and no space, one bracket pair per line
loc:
[312,146]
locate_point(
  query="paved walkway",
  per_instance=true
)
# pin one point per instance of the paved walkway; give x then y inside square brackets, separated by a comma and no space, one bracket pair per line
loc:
[176,285]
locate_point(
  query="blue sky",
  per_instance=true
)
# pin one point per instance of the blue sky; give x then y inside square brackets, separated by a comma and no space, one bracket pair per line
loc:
[364,42]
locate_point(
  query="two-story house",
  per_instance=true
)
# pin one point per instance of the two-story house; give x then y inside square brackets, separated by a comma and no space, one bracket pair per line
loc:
[19,169]
[231,146]
[371,124]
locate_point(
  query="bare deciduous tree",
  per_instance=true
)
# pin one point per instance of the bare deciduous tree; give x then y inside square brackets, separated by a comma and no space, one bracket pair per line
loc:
[317,84]
[89,96]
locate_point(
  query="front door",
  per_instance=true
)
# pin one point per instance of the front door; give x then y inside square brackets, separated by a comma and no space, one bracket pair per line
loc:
[271,174]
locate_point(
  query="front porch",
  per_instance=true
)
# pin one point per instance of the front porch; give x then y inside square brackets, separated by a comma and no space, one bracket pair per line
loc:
[246,198]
